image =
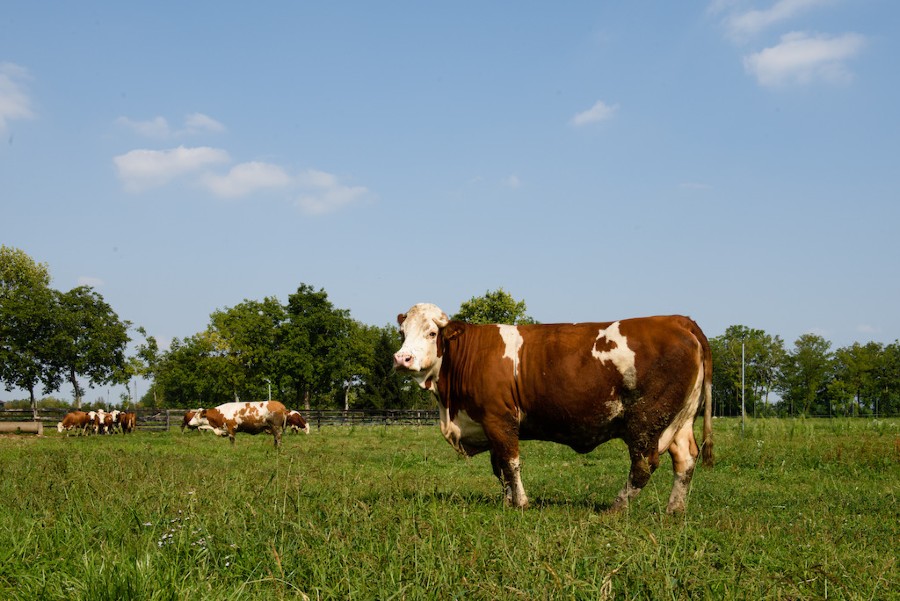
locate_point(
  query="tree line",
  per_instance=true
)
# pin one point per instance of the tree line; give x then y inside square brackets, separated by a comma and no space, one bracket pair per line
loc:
[308,353]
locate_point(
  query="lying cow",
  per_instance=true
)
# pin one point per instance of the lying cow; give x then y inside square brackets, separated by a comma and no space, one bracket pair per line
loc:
[74,420]
[296,422]
[252,418]
[639,380]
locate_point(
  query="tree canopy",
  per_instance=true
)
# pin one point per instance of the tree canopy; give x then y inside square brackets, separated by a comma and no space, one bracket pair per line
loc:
[47,336]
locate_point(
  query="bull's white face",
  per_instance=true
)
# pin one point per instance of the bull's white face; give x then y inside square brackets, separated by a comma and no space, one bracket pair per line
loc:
[198,421]
[419,354]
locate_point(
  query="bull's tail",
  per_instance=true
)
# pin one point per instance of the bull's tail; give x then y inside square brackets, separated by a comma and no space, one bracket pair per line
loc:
[707,444]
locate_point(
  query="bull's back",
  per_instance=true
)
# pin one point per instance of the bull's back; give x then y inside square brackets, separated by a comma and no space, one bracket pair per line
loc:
[577,383]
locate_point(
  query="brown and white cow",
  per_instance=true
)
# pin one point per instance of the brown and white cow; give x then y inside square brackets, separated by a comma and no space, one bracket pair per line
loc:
[252,418]
[296,422]
[74,420]
[127,421]
[640,380]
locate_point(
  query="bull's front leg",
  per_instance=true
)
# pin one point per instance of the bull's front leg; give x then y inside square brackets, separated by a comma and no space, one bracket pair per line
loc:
[508,471]
[503,434]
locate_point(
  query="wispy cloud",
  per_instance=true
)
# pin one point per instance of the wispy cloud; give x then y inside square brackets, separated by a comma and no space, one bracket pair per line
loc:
[14,100]
[512,182]
[159,128]
[247,178]
[599,112]
[804,58]
[315,192]
[144,169]
[742,25]
[323,192]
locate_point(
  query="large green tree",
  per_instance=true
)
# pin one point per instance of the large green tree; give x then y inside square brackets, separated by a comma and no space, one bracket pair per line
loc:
[763,356]
[497,306]
[28,318]
[806,374]
[855,387]
[91,340]
[29,341]
[315,342]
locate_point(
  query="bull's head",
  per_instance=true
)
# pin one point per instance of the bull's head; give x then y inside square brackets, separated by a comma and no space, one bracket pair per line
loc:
[199,419]
[420,355]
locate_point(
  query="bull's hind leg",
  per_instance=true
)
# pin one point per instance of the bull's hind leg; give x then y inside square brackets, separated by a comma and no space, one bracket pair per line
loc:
[276,432]
[684,454]
[643,463]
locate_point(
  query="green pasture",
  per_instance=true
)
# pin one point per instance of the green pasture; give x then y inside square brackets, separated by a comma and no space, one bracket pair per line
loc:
[793,509]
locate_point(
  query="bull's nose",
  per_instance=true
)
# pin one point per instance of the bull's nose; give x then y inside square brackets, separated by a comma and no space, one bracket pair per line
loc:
[403,360]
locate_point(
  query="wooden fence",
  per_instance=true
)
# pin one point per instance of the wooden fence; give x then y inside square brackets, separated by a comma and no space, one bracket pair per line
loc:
[167,419]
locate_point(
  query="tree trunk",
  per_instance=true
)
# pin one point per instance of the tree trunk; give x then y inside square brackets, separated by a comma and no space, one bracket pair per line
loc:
[34,412]
[306,399]
[73,379]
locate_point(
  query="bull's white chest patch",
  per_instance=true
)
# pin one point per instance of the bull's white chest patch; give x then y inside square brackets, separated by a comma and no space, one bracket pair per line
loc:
[512,342]
[463,433]
[616,350]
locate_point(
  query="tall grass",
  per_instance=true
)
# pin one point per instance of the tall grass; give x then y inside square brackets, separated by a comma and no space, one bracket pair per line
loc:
[794,509]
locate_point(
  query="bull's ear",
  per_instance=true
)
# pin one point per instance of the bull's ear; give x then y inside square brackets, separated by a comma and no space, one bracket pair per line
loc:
[452,330]
[401,318]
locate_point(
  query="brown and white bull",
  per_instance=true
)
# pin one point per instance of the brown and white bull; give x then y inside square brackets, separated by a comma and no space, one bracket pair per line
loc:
[74,420]
[296,422]
[252,418]
[640,380]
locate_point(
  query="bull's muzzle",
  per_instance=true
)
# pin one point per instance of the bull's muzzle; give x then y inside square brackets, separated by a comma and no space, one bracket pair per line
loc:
[403,360]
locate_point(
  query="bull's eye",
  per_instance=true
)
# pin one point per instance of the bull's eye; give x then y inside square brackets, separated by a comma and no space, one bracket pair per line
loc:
[432,334]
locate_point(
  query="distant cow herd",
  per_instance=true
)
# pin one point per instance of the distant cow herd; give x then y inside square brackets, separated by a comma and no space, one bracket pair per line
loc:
[225,420]
[98,422]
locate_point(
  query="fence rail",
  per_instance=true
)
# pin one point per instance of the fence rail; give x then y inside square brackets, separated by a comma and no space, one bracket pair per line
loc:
[167,419]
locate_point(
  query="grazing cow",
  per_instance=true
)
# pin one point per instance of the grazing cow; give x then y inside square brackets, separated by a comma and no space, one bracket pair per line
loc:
[186,420]
[127,421]
[78,420]
[639,380]
[253,418]
[296,422]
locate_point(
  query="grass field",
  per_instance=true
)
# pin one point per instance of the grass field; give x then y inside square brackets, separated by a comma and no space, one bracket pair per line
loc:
[794,509]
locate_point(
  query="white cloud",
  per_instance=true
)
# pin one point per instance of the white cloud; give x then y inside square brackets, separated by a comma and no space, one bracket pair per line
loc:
[247,178]
[89,281]
[749,23]
[199,123]
[325,193]
[159,128]
[512,181]
[14,100]
[155,128]
[599,112]
[143,169]
[803,58]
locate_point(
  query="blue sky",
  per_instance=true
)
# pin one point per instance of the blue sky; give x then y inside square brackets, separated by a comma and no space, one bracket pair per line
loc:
[735,161]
